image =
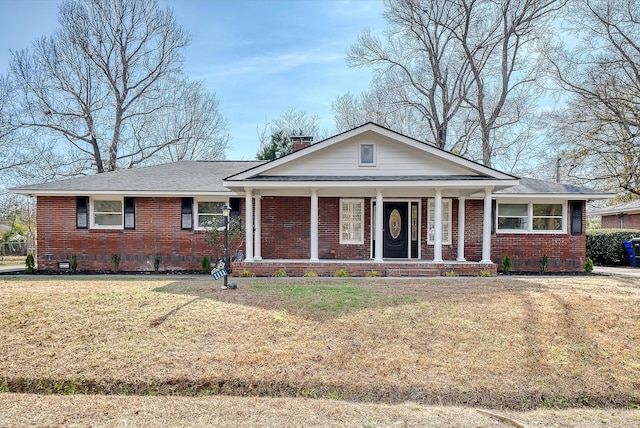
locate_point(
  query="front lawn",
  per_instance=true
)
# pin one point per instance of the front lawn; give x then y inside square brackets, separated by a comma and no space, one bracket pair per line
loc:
[517,343]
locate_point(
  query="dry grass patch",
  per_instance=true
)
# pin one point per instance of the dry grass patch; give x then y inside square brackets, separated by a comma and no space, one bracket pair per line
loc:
[20,410]
[514,343]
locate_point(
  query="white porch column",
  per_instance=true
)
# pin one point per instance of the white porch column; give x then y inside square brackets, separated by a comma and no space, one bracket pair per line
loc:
[258,228]
[314,225]
[461,207]
[486,227]
[437,227]
[379,234]
[248,207]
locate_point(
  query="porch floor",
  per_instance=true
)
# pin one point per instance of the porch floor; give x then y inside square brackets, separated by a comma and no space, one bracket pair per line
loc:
[391,268]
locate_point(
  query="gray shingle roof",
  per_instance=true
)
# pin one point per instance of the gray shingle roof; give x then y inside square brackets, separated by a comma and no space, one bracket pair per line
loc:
[532,186]
[627,207]
[197,177]
[183,177]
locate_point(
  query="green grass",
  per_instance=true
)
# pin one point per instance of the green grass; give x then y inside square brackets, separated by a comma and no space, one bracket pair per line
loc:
[322,298]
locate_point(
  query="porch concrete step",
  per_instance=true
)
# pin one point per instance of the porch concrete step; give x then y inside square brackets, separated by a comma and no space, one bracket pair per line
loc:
[396,272]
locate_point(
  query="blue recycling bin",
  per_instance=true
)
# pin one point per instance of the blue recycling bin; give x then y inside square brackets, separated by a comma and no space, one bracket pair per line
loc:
[628,245]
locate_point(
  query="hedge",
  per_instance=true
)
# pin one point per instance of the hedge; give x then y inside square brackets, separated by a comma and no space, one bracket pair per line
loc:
[606,246]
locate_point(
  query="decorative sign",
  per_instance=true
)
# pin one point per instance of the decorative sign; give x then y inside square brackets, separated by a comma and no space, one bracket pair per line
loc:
[218,273]
[395,224]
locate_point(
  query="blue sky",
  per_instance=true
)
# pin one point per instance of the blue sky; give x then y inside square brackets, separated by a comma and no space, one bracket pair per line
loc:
[260,57]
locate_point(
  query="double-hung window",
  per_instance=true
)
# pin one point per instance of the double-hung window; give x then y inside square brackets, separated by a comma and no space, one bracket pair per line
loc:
[446,221]
[107,213]
[548,217]
[209,215]
[513,217]
[351,221]
[531,217]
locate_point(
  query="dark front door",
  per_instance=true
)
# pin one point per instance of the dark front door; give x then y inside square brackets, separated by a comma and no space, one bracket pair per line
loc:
[396,230]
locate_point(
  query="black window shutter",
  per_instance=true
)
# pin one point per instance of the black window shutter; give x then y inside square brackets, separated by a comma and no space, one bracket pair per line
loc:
[234,204]
[82,212]
[187,213]
[129,213]
[576,217]
[493,217]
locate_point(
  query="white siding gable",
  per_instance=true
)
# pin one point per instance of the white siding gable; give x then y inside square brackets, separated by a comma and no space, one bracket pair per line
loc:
[392,158]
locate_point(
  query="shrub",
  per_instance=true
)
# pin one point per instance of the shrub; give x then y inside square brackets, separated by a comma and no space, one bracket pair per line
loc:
[156,263]
[606,246]
[74,263]
[310,274]
[30,263]
[544,263]
[115,262]
[588,265]
[485,273]
[506,264]
[205,264]
[342,273]
[280,273]
[373,274]
[247,274]
[451,273]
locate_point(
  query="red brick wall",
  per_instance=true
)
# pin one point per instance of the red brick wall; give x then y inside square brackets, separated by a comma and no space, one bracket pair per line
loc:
[626,221]
[285,235]
[286,229]
[158,231]
[566,252]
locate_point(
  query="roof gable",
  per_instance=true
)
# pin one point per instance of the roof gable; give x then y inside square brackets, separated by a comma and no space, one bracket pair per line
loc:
[394,154]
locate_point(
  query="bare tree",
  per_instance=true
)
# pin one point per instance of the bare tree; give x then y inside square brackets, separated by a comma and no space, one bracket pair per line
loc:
[498,40]
[11,155]
[109,83]
[375,105]
[418,62]
[467,66]
[599,127]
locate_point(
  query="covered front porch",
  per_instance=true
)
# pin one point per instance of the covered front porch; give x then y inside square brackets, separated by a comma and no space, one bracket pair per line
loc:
[307,232]
[363,268]
[368,200]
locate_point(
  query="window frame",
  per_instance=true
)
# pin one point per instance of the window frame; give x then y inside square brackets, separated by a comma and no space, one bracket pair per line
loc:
[352,202]
[374,159]
[530,217]
[446,240]
[93,212]
[197,213]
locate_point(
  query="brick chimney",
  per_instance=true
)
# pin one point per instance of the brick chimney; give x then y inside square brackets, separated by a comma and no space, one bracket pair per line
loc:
[299,142]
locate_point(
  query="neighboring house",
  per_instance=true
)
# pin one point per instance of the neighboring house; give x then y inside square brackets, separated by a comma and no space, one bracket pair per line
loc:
[366,200]
[622,216]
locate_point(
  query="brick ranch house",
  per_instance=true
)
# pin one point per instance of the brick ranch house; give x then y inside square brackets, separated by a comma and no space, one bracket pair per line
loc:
[366,200]
[621,216]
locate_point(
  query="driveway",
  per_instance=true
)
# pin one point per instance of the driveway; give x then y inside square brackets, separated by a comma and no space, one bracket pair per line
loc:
[8,269]
[618,270]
